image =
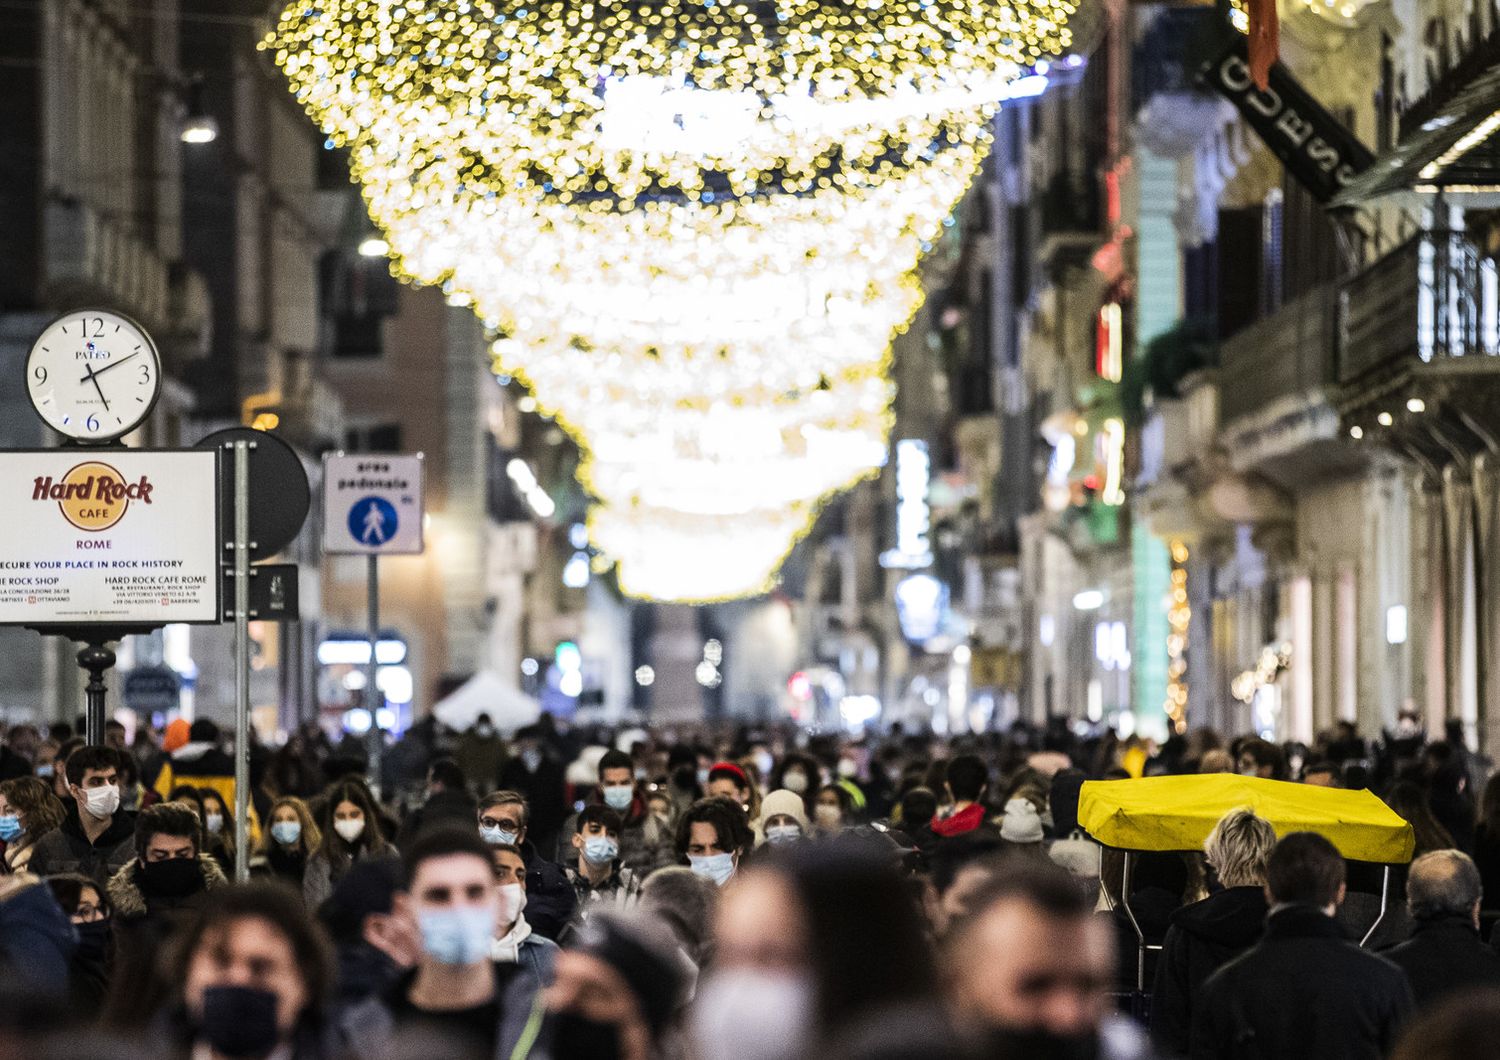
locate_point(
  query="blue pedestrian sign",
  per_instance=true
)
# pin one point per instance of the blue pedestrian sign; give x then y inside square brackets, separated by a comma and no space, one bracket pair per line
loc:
[373,521]
[372,504]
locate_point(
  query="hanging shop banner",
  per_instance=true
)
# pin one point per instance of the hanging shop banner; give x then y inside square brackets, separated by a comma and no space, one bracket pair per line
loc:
[109,536]
[1313,145]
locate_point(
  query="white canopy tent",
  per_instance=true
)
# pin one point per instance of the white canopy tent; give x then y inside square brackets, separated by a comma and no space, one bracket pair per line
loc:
[487,693]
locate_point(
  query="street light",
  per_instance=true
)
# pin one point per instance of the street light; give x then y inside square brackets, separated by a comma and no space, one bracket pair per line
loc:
[199,127]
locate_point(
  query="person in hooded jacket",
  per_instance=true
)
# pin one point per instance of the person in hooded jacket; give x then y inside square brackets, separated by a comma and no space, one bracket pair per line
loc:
[200,763]
[1205,935]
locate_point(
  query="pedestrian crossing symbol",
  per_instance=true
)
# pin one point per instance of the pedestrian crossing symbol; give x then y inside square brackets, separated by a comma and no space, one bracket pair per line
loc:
[373,521]
[372,504]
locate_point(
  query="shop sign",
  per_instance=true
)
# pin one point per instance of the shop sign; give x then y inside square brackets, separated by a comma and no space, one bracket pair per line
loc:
[112,536]
[1313,145]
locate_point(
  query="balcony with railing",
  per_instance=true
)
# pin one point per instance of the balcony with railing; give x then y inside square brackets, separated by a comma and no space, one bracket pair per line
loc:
[1434,298]
[1419,348]
[1277,385]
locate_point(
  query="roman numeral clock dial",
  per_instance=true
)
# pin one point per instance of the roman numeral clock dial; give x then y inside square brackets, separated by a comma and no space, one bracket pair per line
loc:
[93,375]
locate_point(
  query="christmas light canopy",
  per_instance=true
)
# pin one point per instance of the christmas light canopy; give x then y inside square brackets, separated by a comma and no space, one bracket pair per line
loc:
[694,227]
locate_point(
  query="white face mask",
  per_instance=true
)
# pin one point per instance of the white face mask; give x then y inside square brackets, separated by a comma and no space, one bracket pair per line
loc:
[350,829]
[725,997]
[512,901]
[214,822]
[101,802]
[795,782]
[828,816]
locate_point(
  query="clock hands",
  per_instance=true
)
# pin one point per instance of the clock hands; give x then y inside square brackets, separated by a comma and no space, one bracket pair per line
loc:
[93,377]
[112,364]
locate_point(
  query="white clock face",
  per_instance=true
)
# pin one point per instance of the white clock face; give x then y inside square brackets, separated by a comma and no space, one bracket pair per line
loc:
[93,375]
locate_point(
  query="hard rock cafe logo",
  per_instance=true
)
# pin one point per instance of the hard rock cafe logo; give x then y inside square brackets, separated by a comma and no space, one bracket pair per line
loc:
[92,496]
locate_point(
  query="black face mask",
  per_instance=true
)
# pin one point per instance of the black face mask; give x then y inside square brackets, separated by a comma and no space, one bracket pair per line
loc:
[1005,1044]
[577,1038]
[173,878]
[93,939]
[239,1021]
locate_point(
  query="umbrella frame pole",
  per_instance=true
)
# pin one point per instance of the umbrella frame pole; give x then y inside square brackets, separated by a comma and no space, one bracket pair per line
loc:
[1385,889]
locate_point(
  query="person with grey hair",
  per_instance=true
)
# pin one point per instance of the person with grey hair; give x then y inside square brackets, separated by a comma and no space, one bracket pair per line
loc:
[686,903]
[1206,934]
[1445,954]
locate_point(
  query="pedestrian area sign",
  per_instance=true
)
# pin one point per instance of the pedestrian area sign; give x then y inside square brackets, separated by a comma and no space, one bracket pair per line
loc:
[372,504]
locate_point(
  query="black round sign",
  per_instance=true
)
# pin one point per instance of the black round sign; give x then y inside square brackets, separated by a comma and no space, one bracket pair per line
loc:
[279,493]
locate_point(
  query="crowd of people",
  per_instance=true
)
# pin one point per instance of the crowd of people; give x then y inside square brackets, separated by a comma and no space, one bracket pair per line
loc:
[749,893]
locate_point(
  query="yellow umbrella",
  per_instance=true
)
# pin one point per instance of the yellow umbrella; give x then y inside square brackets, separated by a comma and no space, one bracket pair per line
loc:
[1177,813]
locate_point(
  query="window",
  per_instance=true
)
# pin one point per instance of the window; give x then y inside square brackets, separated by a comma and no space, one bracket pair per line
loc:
[358,294]
[374,438]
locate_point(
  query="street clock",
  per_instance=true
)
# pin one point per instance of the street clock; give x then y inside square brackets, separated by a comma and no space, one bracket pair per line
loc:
[93,375]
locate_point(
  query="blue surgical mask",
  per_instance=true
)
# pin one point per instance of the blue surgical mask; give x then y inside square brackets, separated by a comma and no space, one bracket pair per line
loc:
[10,827]
[457,936]
[45,770]
[531,760]
[619,796]
[286,832]
[715,867]
[496,836]
[783,833]
[703,778]
[600,849]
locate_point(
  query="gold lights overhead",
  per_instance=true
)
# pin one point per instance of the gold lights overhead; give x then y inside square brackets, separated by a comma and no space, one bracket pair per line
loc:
[694,227]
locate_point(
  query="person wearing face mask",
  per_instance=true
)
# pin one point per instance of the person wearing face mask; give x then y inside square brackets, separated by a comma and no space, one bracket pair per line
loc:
[832,810]
[617,990]
[252,980]
[481,753]
[514,940]
[169,869]
[448,804]
[87,908]
[28,811]
[19,752]
[351,833]
[535,772]
[644,845]
[828,938]
[730,781]
[785,818]
[595,872]
[96,838]
[218,829]
[800,774]
[456,997]
[504,820]
[712,837]
[285,846]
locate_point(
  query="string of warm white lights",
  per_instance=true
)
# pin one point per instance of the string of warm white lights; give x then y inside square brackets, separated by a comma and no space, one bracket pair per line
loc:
[693,226]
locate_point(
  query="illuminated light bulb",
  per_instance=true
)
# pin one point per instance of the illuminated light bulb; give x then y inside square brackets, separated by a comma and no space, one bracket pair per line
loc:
[694,230]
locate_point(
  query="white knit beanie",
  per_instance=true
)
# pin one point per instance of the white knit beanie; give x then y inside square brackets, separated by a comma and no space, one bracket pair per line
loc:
[1022,824]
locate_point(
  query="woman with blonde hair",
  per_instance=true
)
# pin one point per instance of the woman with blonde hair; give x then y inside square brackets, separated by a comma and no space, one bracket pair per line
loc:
[1207,934]
[28,811]
[287,843]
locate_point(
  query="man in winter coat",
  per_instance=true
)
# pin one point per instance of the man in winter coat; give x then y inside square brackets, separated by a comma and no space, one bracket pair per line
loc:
[646,843]
[200,763]
[1305,990]
[96,837]
[1445,954]
[504,820]
[1207,934]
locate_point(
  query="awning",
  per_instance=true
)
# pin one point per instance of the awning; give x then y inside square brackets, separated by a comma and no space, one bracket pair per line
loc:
[1455,150]
[1178,813]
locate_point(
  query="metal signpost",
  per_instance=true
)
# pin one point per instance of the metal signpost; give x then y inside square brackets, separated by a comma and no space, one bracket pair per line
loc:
[373,506]
[241,659]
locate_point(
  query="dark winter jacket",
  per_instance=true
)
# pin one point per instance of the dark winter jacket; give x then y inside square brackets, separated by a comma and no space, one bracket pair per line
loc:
[67,849]
[1445,955]
[36,943]
[1304,990]
[646,844]
[1201,939]
[444,809]
[550,898]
